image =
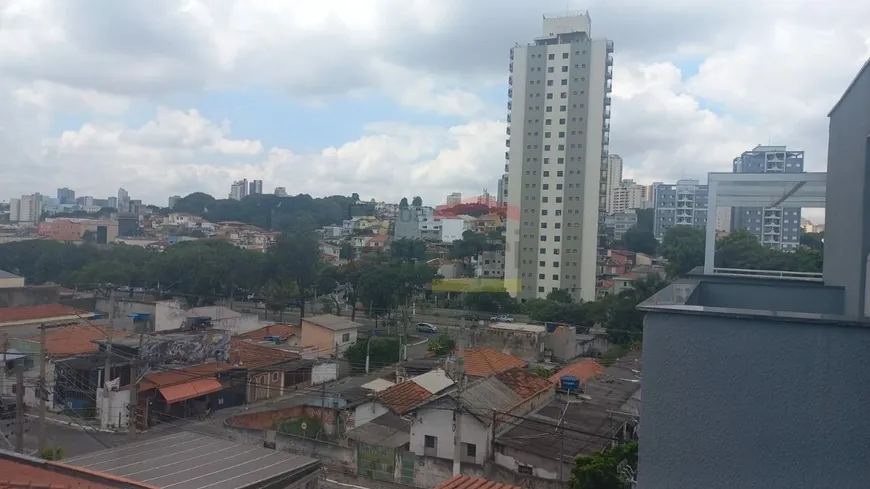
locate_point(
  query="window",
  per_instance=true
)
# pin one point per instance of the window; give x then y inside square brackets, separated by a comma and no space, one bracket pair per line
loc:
[561,121]
[564,55]
[550,69]
[430,444]
[470,450]
[548,121]
[542,263]
[546,134]
[543,237]
[549,96]
[552,56]
[564,82]
[564,69]
[545,186]
[541,276]
[345,337]
[546,173]
[549,83]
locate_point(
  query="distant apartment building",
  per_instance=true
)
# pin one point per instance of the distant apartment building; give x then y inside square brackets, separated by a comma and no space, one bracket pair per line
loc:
[502,190]
[559,132]
[628,195]
[112,202]
[27,210]
[775,227]
[280,191]
[414,222]
[620,222]
[255,187]
[239,189]
[66,196]
[680,204]
[84,201]
[612,180]
[489,264]
[454,199]
[123,200]
[74,230]
[453,227]
[173,200]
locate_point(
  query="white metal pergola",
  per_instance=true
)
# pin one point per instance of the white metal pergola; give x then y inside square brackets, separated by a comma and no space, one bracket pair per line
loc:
[777,190]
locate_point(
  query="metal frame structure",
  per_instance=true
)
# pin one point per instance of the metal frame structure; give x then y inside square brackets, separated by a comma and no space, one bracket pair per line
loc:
[768,190]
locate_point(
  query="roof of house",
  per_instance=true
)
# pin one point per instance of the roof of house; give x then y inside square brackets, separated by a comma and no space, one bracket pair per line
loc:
[5,274]
[434,381]
[186,460]
[181,375]
[380,237]
[17,471]
[472,482]
[402,397]
[76,339]
[283,331]
[387,430]
[39,312]
[378,385]
[330,321]
[483,362]
[590,423]
[525,384]
[487,395]
[251,355]
[583,370]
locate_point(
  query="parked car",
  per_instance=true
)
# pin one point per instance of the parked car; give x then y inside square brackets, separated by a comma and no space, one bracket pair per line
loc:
[426,328]
[501,319]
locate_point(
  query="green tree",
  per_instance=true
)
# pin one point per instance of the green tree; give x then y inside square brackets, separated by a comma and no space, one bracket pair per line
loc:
[645,219]
[683,248]
[608,469]
[383,351]
[813,241]
[403,204]
[442,344]
[560,295]
[493,301]
[294,257]
[408,249]
[639,241]
[417,202]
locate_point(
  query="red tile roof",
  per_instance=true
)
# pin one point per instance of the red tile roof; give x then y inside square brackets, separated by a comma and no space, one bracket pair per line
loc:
[283,331]
[525,384]
[472,482]
[76,339]
[404,396]
[583,370]
[251,355]
[182,375]
[37,313]
[16,474]
[483,362]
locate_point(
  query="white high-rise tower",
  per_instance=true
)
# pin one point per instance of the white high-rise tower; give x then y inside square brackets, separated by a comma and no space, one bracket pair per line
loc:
[559,126]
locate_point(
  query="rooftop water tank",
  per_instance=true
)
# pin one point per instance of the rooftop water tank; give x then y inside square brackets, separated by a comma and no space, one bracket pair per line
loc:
[569,383]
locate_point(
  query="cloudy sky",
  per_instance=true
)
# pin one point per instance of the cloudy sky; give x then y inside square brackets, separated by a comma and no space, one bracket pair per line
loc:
[390,97]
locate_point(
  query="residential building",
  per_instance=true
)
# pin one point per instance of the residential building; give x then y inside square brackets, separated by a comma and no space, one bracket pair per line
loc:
[128,224]
[173,200]
[453,227]
[810,389]
[681,204]
[255,187]
[112,202]
[27,210]
[415,222]
[84,201]
[723,219]
[775,227]
[239,189]
[559,132]
[488,223]
[612,179]
[508,394]
[489,264]
[628,195]
[329,334]
[24,321]
[454,199]
[73,230]
[280,191]
[123,200]
[545,443]
[502,190]
[66,196]
[8,280]
[620,222]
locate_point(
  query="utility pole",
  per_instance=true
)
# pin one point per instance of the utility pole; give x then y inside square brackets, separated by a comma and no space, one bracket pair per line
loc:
[368,352]
[40,386]
[457,413]
[133,415]
[107,369]
[19,398]
[5,359]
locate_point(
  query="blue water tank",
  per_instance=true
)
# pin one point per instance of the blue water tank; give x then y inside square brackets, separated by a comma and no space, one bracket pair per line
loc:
[569,383]
[552,327]
[272,338]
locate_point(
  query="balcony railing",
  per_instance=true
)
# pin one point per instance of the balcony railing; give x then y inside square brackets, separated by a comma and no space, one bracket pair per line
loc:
[780,274]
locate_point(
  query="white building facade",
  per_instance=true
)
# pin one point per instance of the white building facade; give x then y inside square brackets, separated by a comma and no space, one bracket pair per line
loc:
[558,141]
[627,196]
[613,179]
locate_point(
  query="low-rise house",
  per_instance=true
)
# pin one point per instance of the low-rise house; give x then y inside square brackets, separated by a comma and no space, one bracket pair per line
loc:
[329,334]
[582,371]
[278,334]
[270,371]
[485,362]
[513,392]
[472,482]
[448,268]
[545,443]
[487,223]
[530,342]
[24,321]
[24,471]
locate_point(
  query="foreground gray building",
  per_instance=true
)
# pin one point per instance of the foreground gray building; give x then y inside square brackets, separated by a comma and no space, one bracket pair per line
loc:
[764,382]
[775,227]
[680,204]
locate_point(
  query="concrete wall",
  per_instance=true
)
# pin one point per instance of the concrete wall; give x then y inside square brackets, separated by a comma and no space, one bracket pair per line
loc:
[416,348]
[776,296]
[847,229]
[114,410]
[325,372]
[528,346]
[29,296]
[753,403]
[11,282]
[334,456]
[367,412]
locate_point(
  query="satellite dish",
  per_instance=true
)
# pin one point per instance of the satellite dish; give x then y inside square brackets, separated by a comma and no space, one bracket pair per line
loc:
[304,425]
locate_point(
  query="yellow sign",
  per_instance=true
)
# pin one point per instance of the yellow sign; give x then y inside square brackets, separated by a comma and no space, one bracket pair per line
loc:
[475,285]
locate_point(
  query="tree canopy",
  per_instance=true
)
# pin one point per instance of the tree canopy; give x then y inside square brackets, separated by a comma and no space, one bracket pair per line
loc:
[639,241]
[612,468]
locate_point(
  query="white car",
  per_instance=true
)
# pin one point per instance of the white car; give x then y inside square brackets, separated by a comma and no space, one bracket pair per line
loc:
[502,319]
[426,328]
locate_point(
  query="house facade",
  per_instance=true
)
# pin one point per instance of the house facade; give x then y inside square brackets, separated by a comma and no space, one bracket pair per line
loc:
[329,334]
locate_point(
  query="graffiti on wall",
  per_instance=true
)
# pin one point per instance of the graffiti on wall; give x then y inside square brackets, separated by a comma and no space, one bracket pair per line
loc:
[188,349]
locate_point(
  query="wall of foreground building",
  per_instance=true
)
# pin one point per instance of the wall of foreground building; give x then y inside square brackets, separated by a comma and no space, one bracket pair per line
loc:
[733,401]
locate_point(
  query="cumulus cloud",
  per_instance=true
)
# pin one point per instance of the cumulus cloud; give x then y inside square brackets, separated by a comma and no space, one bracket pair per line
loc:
[696,83]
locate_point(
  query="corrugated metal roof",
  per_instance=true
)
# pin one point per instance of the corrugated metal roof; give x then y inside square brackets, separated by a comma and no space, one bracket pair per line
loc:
[434,381]
[486,395]
[378,385]
[330,321]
